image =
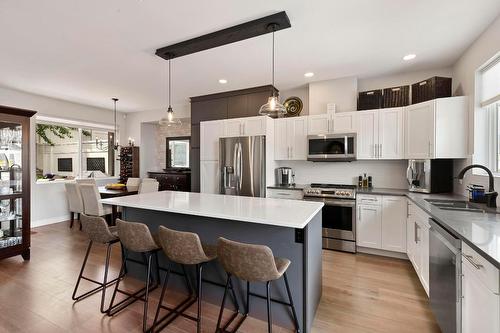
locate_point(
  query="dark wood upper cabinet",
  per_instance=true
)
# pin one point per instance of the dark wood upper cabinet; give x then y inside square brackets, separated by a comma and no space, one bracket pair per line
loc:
[195,136]
[208,110]
[255,101]
[237,106]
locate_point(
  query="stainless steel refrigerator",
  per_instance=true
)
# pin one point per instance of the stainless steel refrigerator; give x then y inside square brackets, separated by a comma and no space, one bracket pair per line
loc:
[243,166]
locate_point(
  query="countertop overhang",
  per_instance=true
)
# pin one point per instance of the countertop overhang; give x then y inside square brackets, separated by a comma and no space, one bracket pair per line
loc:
[277,212]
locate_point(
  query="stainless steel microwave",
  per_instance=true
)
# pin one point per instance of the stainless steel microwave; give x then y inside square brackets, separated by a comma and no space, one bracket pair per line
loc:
[331,147]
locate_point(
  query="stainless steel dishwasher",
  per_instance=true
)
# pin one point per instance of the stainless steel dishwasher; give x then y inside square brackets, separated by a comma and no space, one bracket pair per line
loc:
[445,278]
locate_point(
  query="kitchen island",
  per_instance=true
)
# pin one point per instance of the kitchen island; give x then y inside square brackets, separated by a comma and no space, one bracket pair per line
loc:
[291,228]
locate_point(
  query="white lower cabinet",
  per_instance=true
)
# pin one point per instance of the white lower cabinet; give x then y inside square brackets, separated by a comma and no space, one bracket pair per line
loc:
[276,193]
[393,224]
[480,297]
[381,222]
[209,177]
[369,226]
[417,243]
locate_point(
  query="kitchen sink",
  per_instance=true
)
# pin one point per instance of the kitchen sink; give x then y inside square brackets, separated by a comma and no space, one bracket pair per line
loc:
[456,205]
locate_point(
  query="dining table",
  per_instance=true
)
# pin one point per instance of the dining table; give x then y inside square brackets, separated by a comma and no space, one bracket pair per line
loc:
[113,193]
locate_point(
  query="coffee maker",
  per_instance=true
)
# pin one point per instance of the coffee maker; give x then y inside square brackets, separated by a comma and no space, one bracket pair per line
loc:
[285,176]
[430,176]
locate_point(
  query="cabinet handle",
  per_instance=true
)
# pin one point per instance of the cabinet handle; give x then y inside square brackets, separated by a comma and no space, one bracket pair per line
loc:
[473,263]
[243,132]
[407,210]
[430,151]
[291,152]
[416,233]
[359,213]
[379,150]
[374,150]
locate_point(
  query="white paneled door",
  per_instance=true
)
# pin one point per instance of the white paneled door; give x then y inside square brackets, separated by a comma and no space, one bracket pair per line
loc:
[391,134]
[367,135]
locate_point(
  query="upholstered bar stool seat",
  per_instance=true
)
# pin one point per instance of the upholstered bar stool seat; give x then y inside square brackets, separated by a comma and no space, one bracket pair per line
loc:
[252,263]
[98,232]
[136,237]
[183,248]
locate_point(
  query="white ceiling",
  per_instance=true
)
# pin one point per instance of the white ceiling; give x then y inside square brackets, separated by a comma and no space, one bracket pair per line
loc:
[89,51]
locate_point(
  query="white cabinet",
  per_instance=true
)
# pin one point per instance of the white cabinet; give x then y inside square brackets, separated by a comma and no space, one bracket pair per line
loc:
[437,129]
[369,226]
[344,122]
[276,193]
[480,298]
[381,222]
[319,124]
[210,132]
[209,177]
[394,224]
[380,134]
[245,126]
[291,138]
[328,123]
[417,246]
[367,135]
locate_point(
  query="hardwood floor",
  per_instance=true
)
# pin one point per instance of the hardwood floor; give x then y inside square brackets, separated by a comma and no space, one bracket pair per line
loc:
[361,293]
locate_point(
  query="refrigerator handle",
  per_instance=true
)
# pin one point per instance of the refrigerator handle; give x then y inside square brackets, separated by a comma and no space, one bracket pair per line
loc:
[235,166]
[240,163]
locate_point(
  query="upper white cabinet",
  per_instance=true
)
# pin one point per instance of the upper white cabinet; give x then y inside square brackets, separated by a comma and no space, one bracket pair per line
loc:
[337,122]
[245,126]
[344,122]
[290,138]
[380,134]
[381,222]
[210,132]
[437,129]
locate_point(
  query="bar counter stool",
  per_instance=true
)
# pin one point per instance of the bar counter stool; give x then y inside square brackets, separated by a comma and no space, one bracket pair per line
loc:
[184,248]
[136,237]
[98,232]
[252,263]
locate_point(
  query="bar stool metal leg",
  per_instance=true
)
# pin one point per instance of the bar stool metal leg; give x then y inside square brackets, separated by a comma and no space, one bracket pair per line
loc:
[199,269]
[269,318]
[290,299]
[74,297]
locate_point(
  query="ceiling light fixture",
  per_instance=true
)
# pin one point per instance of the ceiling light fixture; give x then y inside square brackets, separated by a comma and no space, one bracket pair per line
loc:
[409,57]
[222,81]
[273,108]
[309,74]
[169,120]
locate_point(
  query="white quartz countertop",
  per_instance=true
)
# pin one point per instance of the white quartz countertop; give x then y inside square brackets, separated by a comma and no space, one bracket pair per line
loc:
[278,212]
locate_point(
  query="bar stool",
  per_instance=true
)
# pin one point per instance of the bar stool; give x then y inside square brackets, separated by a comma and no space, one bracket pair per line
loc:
[252,263]
[184,248]
[98,231]
[136,237]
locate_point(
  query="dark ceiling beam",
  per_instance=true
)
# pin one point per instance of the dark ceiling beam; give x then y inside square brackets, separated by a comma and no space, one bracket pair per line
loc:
[229,35]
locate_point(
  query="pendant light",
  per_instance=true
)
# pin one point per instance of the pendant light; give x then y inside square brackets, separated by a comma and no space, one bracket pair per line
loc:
[169,120]
[115,145]
[273,108]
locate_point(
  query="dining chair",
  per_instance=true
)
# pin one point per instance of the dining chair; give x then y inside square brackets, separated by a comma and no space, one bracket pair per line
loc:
[149,180]
[92,201]
[75,201]
[149,186]
[133,184]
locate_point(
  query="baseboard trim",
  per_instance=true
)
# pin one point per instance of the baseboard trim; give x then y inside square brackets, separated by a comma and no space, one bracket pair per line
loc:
[50,220]
[384,253]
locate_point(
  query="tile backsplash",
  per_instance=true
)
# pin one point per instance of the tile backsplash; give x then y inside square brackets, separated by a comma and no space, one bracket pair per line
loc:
[163,132]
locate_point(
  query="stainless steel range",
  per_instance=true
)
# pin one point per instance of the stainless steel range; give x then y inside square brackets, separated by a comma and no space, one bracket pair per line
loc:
[339,214]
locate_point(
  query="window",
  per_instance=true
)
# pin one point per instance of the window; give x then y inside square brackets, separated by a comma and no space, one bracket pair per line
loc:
[487,117]
[69,150]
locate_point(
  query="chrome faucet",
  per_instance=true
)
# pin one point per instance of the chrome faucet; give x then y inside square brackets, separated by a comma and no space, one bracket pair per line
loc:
[491,195]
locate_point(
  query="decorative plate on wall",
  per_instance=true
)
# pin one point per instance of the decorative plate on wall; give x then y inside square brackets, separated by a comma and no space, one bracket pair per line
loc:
[293,106]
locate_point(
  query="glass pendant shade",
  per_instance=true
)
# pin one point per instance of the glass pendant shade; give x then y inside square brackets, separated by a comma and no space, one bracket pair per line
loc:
[169,120]
[273,108]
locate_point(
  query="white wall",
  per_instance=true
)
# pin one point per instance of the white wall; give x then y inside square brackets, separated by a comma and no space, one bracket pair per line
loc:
[386,174]
[464,71]
[48,201]
[343,92]
[149,151]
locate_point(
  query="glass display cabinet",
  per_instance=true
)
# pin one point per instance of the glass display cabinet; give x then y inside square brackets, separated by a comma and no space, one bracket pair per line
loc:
[15,182]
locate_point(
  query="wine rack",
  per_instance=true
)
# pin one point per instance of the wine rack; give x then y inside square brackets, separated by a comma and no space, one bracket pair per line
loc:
[129,163]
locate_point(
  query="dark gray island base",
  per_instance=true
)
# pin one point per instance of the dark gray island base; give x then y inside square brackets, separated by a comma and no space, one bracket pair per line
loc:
[301,246]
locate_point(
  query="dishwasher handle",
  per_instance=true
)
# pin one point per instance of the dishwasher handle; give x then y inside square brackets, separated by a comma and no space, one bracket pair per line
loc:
[451,242]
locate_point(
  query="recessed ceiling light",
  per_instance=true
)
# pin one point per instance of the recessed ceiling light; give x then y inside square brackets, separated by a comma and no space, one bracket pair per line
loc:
[222,81]
[309,74]
[409,57]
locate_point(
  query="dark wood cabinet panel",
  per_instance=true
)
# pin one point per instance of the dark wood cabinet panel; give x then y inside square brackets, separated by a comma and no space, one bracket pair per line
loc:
[195,170]
[237,106]
[195,136]
[208,110]
[255,101]
[172,181]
